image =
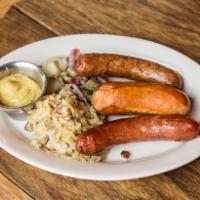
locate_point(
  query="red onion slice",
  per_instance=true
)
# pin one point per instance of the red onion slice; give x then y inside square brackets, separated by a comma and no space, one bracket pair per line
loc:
[73,56]
[79,93]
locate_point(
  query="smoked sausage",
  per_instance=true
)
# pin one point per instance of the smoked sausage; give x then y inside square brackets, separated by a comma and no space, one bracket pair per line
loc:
[126,66]
[144,128]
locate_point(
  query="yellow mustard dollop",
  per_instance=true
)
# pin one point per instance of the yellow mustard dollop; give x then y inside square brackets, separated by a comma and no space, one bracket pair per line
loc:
[17,90]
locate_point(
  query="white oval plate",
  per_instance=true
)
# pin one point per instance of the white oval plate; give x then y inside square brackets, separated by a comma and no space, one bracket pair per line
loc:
[147,158]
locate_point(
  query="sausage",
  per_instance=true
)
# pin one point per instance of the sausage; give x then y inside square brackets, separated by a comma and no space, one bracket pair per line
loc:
[126,66]
[136,129]
[113,98]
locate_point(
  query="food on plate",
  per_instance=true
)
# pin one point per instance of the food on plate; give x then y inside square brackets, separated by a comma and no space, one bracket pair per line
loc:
[59,118]
[57,121]
[59,73]
[17,90]
[53,85]
[57,65]
[143,98]
[145,128]
[125,66]
[125,154]
[70,119]
[54,66]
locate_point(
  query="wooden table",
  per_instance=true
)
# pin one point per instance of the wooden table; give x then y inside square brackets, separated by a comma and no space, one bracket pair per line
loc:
[174,23]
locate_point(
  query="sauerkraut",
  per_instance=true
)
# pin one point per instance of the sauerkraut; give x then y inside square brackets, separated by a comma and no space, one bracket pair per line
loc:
[59,118]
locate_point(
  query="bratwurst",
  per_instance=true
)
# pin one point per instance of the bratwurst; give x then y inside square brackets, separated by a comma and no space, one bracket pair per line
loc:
[125,66]
[112,98]
[137,129]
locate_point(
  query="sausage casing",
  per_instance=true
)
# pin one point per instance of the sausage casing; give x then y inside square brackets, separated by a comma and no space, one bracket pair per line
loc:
[143,98]
[126,66]
[137,129]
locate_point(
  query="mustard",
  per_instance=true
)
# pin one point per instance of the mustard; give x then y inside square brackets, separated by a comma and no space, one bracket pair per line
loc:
[17,90]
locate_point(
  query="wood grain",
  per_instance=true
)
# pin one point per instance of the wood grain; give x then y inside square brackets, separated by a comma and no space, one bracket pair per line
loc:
[17,30]
[5,6]
[46,185]
[9,190]
[166,21]
[173,23]
[187,178]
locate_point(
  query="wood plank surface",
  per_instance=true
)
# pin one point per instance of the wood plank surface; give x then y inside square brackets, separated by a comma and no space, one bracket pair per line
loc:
[173,23]
[9,191]
[17,30]
[41,185]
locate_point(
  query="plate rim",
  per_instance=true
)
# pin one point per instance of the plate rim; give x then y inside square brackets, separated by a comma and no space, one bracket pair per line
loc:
[82,176]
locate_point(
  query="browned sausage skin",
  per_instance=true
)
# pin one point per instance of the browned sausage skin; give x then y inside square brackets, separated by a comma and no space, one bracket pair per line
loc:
[126,66]
[137,129]
[113,98]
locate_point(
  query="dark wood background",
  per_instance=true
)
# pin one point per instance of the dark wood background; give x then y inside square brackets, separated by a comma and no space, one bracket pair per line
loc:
[175,23]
